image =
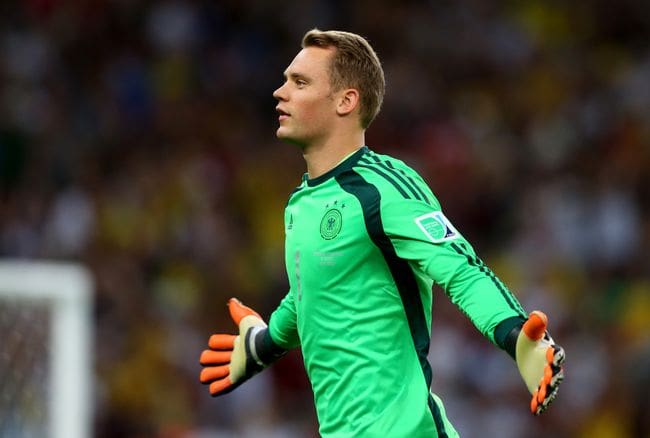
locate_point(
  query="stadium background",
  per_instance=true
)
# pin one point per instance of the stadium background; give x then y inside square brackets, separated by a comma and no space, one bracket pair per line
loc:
[137,137]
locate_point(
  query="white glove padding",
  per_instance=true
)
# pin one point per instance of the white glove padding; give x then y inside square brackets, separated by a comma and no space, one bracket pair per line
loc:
[539,361]
[233,359]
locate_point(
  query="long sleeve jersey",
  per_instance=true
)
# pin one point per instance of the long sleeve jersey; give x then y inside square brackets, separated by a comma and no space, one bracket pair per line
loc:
[364,244]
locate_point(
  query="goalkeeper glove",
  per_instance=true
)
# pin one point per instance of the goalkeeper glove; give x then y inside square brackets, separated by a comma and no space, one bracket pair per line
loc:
[539,361]
[233,359]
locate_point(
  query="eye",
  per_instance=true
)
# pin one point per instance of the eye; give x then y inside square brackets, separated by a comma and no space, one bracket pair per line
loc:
[300,83]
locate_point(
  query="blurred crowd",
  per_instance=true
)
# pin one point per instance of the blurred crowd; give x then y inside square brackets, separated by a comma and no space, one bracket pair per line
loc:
[137,137]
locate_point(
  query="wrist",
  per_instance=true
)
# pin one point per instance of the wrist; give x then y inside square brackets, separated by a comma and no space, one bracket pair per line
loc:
[506,334]
[262,347]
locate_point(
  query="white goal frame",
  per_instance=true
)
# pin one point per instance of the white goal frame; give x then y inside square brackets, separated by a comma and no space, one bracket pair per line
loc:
[67,290]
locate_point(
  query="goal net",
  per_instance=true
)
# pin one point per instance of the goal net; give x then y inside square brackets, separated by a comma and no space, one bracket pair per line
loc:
[45,360]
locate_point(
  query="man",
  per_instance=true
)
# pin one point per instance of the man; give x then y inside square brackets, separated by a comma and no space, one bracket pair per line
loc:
[365,240]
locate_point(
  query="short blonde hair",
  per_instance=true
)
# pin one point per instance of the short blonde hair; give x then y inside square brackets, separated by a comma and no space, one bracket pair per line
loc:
[354,64]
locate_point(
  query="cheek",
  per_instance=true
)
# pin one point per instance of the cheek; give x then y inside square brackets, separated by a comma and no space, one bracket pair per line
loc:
[314,110]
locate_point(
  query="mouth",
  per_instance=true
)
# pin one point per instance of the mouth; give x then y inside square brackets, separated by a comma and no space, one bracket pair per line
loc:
[282,114]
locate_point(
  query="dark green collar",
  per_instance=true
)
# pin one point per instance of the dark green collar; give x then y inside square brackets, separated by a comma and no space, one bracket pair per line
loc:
[345,165]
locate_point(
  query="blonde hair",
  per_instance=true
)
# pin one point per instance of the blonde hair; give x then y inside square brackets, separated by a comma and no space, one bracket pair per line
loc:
[354,64]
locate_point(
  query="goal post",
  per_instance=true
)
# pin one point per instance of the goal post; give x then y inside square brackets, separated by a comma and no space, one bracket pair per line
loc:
[52,302]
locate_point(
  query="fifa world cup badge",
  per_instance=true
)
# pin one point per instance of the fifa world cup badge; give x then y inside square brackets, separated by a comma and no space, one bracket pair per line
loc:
[436,227]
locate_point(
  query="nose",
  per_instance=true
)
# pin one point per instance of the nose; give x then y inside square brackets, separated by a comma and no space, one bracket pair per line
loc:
[279,93]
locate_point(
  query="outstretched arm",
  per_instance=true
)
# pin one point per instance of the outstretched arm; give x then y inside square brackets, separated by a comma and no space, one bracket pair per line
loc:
[422,234]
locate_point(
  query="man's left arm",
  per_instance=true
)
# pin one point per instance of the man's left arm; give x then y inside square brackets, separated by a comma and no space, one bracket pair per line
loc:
[422,234]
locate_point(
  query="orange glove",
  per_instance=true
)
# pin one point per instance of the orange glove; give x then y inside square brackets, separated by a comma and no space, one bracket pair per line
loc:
[233,359]
[539,361]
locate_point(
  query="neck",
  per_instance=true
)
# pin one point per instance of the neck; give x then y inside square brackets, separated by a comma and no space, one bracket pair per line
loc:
[321,158]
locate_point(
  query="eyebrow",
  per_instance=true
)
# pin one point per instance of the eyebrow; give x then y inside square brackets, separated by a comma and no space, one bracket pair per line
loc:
[295,76]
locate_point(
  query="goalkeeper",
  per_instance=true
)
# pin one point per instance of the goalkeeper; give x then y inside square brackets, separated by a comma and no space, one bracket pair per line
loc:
[365,240]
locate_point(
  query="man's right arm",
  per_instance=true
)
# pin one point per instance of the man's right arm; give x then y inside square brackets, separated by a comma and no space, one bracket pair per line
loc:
[283,326]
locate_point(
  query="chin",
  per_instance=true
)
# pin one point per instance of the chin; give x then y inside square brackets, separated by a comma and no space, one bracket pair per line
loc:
[283,135]
[289,139]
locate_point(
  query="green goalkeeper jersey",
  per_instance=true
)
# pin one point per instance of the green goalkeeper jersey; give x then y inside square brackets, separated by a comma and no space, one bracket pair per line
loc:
[364,244]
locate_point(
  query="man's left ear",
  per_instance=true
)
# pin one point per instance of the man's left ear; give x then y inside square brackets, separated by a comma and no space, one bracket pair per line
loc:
[348,101]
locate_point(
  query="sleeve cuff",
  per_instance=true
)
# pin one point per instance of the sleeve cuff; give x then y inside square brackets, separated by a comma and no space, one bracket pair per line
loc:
[506,334]
[267,350]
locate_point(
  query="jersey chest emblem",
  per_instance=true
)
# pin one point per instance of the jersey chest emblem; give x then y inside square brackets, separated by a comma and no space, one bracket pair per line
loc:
[330,225]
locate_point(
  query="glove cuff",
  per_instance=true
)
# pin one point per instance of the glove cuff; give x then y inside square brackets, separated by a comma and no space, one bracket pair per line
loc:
[506,334]
[267,350]
[261,351]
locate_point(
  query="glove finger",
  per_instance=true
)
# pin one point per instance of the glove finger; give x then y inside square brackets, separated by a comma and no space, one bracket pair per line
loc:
[210,357]
[543,386]
[220,386]
[540,393]
[535,325]
[558,355]
[238,311]
[555,358]
[541,400]
[541,407]
[557,378]
[547,390]
[534,404]
[222,342]
[214,373]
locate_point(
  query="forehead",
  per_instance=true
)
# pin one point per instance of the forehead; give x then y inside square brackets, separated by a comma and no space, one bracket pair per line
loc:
[312,62]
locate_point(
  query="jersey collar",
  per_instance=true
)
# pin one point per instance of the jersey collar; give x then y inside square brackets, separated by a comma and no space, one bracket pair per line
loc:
[344,165]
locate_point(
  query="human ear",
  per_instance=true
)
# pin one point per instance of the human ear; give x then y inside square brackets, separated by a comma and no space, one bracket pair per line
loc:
[348,101]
